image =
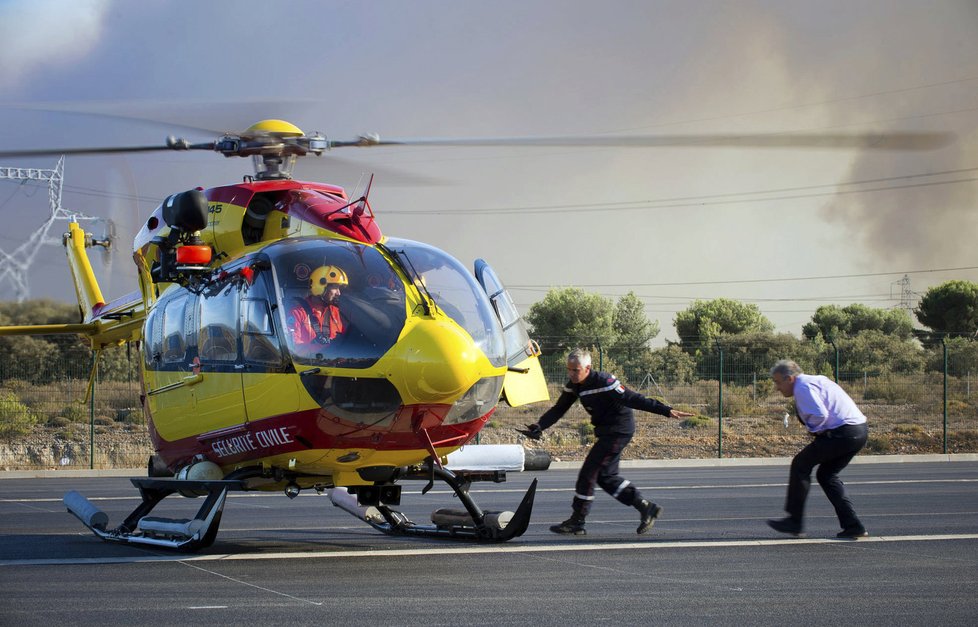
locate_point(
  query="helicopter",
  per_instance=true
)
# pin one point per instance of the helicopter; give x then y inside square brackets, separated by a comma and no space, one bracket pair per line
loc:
[287,344]
[238,397]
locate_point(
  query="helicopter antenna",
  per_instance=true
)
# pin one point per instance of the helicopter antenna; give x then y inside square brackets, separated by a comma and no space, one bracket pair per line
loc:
[15,265]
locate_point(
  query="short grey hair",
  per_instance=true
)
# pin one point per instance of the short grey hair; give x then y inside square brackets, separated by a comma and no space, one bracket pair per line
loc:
[580,356]
[786,368]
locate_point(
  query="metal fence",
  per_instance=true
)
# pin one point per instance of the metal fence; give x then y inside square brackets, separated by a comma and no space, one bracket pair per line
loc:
[931,410]
[48,420]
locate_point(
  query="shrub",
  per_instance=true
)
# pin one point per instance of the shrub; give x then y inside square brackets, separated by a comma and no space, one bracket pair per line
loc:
[15,417]
[58,422]
[133,416]
[879,444]
[75,412]
[895,390]
[911,429]
[695,422]
[737,401]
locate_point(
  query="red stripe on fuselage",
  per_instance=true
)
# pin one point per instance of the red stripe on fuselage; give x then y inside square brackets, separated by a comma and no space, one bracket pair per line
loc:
[316,429]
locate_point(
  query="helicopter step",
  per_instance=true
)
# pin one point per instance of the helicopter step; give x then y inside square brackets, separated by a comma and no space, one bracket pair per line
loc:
[468,523]
[139,528]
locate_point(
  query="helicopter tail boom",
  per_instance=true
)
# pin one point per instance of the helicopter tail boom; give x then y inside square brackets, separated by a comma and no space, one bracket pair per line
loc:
[104,324]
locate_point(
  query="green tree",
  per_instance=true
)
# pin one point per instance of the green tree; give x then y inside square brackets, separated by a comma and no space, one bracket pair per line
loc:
[40,359]
[749,354]
[631,326]
[962,357]
[706,320]
[950,307]
[570,317]
[878,352]
[633,332]
[119,363]
[41,311]
[670,365]
[833,322]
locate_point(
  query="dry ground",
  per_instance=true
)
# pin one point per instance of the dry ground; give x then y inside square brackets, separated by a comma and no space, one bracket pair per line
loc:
[893,430]
[765,435]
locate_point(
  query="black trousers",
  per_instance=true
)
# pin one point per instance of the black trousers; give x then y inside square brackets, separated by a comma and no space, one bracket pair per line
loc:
[601,467]
[831,452]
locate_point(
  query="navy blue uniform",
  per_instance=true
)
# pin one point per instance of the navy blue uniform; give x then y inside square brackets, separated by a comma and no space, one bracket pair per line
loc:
[610,405]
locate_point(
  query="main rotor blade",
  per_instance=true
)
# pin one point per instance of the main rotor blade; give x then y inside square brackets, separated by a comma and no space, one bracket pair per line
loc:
[174,144]
[908,140]
[77,151]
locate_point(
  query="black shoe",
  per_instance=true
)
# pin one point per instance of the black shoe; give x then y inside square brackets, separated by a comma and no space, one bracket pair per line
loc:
[649,511]
[786,525]
[570,527]
[853,533]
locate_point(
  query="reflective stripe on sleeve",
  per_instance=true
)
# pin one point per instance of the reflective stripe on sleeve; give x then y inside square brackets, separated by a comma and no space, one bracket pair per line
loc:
[613,386]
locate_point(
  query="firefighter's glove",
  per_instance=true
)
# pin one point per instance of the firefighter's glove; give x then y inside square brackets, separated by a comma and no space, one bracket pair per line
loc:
[534,432]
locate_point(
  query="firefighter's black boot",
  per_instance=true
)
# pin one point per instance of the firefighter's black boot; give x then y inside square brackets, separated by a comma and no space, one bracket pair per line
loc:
[572,526]
[649,512]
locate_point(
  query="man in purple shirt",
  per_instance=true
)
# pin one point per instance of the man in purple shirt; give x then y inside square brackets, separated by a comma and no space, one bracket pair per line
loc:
[840,432]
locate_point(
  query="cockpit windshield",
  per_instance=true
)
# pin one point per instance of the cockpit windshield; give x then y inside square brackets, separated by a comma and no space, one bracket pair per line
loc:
[456,292]
[340,303]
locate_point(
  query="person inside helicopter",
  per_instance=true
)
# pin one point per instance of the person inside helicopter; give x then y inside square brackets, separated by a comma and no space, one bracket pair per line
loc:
[316,320]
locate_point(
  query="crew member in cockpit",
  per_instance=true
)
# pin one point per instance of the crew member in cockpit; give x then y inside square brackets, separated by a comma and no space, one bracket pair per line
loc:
[316,319]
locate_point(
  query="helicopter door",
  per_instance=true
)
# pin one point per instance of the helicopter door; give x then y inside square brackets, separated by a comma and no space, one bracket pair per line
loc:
[266,392]
[524,382]
[168,372]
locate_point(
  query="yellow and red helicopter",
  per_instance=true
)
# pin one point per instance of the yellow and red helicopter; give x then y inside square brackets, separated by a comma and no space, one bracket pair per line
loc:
[238,398]
[248,385]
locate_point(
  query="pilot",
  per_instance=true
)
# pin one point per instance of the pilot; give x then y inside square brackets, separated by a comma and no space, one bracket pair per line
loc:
[316,319]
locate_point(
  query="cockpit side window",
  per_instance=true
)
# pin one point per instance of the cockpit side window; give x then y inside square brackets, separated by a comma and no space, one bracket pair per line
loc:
[259,342]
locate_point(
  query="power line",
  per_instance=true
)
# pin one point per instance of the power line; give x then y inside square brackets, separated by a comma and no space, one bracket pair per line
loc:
[730,282]
[683,201]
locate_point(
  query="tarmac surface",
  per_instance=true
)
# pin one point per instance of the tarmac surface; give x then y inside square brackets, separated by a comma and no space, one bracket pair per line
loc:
[709,558]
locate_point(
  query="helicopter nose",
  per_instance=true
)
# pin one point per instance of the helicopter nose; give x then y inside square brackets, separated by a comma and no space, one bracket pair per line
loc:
[435,362]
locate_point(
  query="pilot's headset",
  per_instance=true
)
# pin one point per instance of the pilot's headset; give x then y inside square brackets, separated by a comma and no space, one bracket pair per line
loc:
[323,276]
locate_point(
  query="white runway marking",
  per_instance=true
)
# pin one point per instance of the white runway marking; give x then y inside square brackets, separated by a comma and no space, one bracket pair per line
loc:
[476,490]
[650,545]
[208,607]
[251,585]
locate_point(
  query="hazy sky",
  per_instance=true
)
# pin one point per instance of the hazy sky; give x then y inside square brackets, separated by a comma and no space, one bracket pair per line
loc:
[787,229]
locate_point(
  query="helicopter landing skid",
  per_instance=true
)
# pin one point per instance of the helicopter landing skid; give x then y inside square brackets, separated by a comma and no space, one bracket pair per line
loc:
[138,528]
[469,523]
